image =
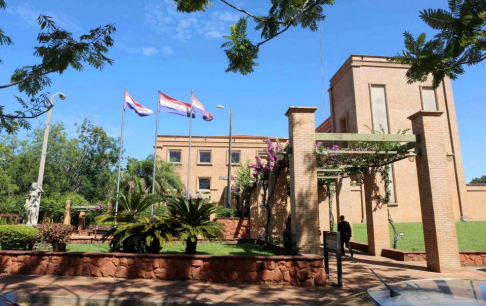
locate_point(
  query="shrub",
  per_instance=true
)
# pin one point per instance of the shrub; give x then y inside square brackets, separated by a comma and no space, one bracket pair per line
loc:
[225,213]
[55,232]
[193,215]
[18,237]
[147,235]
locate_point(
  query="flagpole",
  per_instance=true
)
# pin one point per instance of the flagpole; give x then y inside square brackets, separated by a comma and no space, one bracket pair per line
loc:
[120,156]
[155,151]
[189,158]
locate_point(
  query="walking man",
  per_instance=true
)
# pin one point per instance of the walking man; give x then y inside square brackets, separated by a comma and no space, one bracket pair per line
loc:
[344,228]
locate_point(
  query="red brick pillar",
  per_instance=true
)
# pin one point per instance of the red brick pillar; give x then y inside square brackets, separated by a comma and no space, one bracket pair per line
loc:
[304,205]
[376,213]
[435,198]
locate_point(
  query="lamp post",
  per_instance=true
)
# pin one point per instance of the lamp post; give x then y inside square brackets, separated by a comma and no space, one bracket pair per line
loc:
[228,192]
[40,178]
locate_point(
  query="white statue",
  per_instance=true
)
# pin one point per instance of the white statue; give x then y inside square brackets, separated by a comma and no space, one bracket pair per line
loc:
[34,202]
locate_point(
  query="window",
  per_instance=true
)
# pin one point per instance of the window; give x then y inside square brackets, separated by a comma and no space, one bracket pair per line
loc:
[204,157]
[378,107]
[235,157]
[175,156]
[204,184]
[392,199]
[380,121]
[262,154]
[343,125]
[429,100]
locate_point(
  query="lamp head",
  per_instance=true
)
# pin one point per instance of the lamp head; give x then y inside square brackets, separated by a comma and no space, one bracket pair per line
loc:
[62,96]
[220,106]
[450,156]
[411,156]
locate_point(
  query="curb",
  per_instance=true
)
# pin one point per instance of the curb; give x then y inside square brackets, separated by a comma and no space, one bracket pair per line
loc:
[47,299]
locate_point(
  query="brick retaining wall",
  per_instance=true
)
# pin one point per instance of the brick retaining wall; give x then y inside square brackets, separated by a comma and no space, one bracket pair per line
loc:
[468,258]
[235,227]
[285,270]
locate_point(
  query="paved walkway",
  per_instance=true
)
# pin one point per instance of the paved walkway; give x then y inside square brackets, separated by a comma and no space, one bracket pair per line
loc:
[357,276]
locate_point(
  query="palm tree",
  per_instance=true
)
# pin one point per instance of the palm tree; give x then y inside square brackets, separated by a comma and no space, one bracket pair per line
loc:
[132,206]
[147,235]
[139,177]
[193,215]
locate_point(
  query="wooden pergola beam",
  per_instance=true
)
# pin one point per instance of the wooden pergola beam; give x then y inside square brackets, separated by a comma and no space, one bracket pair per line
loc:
[366,137]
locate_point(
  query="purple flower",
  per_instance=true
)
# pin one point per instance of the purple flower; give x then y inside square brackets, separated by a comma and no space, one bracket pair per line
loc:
[319,144]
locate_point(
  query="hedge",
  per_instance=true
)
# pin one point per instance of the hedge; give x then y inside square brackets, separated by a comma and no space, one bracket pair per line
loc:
[18,237]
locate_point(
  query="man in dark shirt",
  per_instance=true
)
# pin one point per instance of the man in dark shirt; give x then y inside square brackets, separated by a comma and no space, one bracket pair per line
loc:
[344,228]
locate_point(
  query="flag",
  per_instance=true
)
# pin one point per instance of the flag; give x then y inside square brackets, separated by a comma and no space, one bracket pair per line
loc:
[198,108]
[170,105]
[141,110]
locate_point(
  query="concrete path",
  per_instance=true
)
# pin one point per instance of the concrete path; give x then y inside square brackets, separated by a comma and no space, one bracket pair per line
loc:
[62,290]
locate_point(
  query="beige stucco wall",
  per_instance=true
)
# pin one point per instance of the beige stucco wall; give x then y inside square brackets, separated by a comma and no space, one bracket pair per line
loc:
[350,94]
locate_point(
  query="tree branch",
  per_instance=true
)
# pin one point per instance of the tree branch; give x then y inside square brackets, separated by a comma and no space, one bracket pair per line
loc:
[482,58]
[31,76]
[26,117]
[242,10]
[291,20]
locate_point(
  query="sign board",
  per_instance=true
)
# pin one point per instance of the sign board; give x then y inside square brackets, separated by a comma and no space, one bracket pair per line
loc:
[332,244]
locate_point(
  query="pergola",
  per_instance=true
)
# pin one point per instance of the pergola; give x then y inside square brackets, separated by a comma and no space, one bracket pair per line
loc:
[356,161]
[427,142]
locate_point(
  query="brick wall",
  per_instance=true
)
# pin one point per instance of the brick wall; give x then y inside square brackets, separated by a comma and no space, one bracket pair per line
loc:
[235,228]
[285,270]
[468,259]
[476,202]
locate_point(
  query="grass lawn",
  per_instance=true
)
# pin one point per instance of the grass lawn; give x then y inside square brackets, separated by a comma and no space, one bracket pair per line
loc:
[178,248]
[471,236]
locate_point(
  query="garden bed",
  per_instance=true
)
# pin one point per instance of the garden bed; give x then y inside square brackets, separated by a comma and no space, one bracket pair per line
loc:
[284,270]
[178,248]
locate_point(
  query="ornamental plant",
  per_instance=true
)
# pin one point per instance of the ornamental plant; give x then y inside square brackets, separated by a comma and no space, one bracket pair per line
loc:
[193,217]
[55,232]
[18,237]
[264,170]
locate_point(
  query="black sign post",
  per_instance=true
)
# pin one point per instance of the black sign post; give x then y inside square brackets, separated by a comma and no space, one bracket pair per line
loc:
[332,244]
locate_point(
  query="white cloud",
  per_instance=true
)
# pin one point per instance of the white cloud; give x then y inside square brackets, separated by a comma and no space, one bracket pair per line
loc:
[149,51]
[167,50]
[29,15]
[164,17]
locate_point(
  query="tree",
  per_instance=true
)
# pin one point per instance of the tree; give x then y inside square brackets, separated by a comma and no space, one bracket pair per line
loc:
[82,165]
[479,180]
[283,14]
[140,176]
[461,41]
[58,51]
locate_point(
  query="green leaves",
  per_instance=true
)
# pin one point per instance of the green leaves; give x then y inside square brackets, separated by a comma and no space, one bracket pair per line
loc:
[461,41]
[240,51]
[58,50]
[193,215]
[190,6]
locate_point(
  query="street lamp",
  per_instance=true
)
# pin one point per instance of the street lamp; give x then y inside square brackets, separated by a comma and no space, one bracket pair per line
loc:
[228,191]
[40,178]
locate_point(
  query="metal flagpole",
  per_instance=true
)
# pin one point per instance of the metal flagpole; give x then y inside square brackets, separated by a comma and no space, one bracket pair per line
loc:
[120,156]
[155,150]
[189,158]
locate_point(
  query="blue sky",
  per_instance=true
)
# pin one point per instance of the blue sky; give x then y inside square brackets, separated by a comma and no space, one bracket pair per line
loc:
[158,48]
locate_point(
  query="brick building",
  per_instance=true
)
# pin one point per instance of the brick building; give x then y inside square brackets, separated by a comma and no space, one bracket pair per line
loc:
[209,159]
[367,92]
[371,92]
